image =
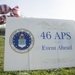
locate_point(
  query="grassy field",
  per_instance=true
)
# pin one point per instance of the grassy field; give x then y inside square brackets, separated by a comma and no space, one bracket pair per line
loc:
[67,71]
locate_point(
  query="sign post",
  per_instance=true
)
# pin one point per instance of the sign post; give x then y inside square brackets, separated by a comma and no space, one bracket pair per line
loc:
[35,44]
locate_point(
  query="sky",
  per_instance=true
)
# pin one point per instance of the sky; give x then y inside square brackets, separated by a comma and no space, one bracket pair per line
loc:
[52,9]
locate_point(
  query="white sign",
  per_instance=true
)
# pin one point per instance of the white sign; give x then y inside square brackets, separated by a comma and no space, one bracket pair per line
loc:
[34,44]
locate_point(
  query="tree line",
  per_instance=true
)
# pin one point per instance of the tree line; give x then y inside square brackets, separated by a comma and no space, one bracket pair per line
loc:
[2,31]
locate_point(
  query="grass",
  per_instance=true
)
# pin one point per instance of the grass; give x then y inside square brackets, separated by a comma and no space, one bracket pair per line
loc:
[61,71]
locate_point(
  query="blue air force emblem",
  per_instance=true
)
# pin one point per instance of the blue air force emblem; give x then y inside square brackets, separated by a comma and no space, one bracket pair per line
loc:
[21,40]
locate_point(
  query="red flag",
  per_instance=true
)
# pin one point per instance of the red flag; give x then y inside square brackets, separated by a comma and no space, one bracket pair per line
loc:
[4,9]
[15,12]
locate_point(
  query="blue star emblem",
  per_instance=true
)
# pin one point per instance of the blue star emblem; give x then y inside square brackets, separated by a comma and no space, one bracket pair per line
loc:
[22,40]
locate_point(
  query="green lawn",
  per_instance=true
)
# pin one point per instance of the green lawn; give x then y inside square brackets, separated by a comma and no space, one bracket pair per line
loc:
[67,71]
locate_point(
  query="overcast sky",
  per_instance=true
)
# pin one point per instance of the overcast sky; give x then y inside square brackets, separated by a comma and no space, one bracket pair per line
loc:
[53,9]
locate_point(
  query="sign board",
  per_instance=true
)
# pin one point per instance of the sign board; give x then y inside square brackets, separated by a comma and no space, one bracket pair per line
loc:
[35,44]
